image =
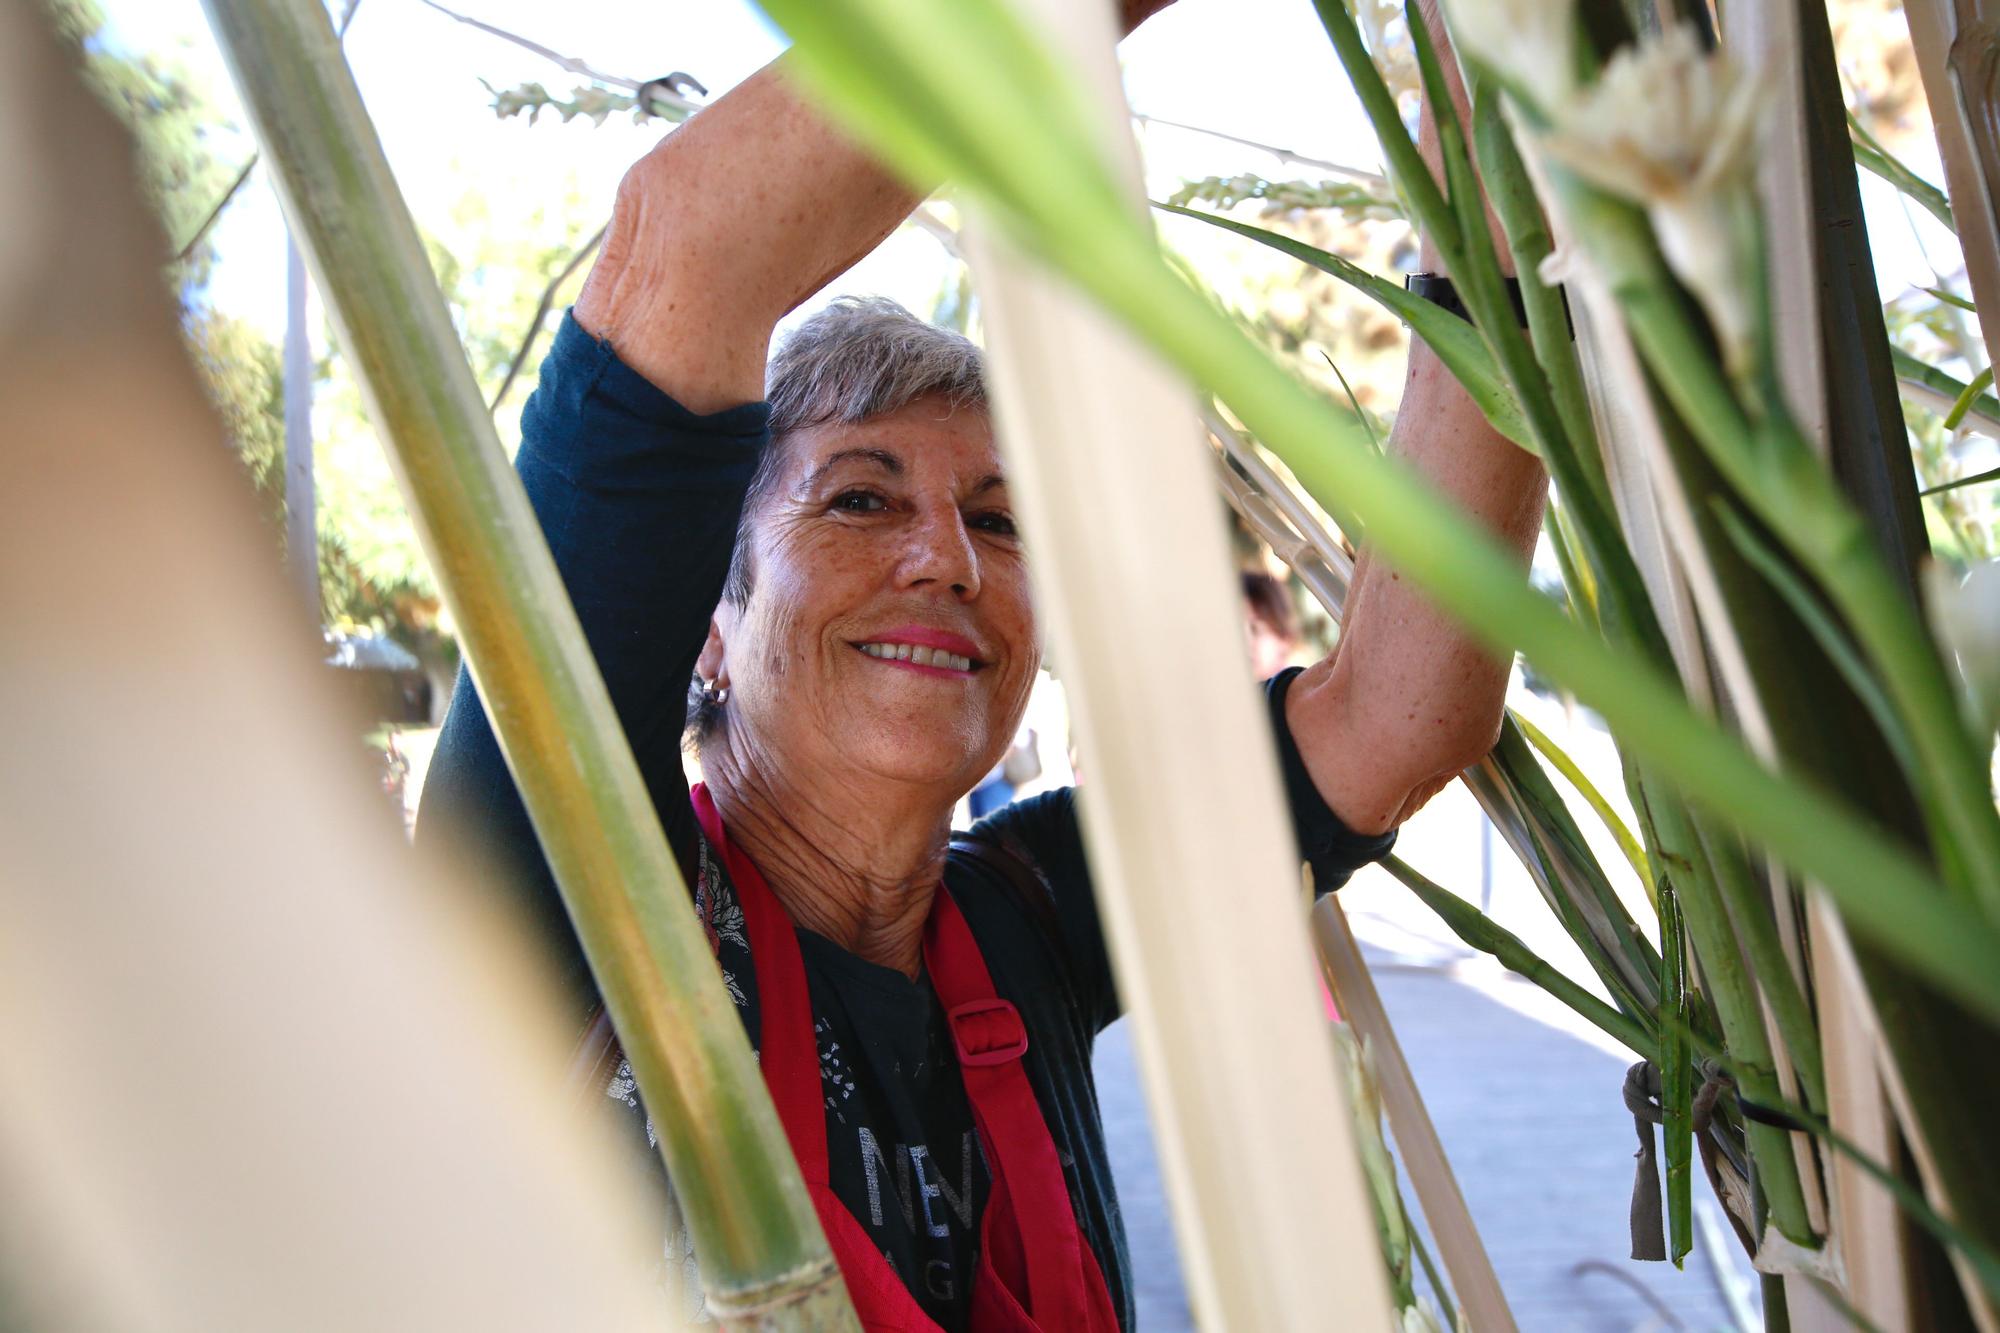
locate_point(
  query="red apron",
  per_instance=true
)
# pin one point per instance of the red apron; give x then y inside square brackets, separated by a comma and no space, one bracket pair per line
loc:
[1033,1277]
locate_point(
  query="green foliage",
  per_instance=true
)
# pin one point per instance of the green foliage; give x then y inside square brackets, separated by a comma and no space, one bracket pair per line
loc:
[188,152]
[493,266]
[244,375]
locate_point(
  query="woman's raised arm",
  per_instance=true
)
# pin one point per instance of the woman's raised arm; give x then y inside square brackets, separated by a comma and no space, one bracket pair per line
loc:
[1409,699]
[752,206]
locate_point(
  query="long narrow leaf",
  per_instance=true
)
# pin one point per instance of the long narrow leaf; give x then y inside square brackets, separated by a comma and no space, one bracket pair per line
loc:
[1481,932]
[1980,383]
[1676,1082]
[1912,370]
[753,1222]
[1456,342]
[1869,153]
[1628,843]
[1887,892]
[1505,177]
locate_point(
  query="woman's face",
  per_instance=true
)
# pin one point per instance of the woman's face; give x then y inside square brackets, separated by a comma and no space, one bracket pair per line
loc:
[888,627]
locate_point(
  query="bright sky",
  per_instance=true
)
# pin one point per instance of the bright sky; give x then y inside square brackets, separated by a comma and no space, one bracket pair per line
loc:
[1260,69]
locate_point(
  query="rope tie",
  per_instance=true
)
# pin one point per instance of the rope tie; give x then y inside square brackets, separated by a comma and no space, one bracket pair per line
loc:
[1642,1099]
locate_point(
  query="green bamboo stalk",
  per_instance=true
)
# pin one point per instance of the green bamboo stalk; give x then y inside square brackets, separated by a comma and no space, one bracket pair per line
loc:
[763,1258]
[1685,870]
[1777,474]
[1748,905]
[1481,932]
[1869,153]
[1458,212]
[1432,214]
[1456,343]
[1477,273]
[1512,194]
[1676,1080]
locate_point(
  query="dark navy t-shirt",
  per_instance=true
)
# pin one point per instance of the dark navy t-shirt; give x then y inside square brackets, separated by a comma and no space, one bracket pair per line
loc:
[639,500]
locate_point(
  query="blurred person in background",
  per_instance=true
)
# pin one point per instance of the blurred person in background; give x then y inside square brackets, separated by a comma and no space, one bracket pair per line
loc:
[1271,623]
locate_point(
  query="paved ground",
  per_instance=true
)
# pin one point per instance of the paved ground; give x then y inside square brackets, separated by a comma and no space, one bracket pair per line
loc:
[1525,1097]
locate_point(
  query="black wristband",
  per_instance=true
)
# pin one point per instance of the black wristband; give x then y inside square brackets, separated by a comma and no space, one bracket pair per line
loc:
[1439,291]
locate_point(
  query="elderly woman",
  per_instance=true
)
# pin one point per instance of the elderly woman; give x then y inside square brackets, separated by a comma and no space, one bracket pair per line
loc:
[825,548]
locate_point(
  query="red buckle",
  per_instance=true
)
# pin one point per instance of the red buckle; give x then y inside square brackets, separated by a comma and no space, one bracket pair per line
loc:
[987,1032]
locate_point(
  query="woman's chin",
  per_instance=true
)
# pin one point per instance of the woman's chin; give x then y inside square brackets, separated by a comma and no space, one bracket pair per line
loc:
[950,770]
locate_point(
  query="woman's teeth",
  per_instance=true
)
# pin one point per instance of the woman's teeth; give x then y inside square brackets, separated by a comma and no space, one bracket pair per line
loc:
[911,653]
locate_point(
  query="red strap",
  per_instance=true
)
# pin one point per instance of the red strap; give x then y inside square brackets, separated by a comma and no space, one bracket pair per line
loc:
[1042,1268]
[991,1041]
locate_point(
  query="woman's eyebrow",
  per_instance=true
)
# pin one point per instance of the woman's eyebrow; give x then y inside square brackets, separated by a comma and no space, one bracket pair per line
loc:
[992,481]
[882,458]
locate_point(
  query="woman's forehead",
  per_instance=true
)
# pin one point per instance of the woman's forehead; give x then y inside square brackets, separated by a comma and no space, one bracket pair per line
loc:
[924,441]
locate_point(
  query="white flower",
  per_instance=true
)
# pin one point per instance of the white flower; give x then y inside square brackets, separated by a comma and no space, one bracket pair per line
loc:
[1530,44]
[1389,41]
[1672,127]
[1965,615]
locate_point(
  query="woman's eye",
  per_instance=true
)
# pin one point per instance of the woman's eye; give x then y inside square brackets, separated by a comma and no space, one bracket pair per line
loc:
[860,502]
[997,523]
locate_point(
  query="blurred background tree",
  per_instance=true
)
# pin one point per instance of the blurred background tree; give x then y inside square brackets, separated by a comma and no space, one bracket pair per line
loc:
[493,258]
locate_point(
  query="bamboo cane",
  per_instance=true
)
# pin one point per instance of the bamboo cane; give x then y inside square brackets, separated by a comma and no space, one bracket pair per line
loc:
[1444,1207]
[765,1263]
[1218,985]
[1954,46]
[243,1084]
[1840,385]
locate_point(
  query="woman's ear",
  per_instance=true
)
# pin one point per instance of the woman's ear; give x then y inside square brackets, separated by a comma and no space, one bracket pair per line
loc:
[710,666]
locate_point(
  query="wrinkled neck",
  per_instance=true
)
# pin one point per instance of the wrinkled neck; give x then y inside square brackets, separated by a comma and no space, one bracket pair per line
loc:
[854,860]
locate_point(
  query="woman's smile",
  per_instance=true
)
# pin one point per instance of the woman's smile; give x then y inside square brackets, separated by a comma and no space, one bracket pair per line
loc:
[930,652]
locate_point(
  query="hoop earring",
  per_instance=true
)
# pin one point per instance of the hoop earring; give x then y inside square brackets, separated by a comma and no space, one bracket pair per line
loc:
[712,693]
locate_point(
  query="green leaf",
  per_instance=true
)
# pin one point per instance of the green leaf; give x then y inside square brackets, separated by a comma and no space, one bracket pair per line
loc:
[1457,344]
[1870,154]
[1951,298]
[1980,382]
[1914,370]
[1973,480]
[930,86]
[1627,842]
[1483,933]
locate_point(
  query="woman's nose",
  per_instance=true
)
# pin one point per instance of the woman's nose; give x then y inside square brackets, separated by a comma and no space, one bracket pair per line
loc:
[940,551]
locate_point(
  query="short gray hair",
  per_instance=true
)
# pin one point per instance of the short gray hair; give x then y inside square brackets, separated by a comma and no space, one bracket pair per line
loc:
[862,357]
